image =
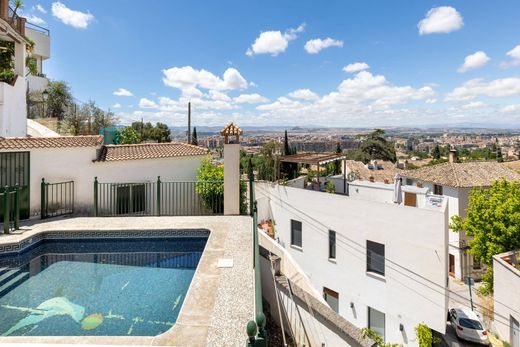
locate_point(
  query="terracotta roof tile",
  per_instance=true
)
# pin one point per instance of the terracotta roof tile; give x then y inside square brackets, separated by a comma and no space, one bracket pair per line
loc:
[149,151]
[50,142]
[231,129]
[463,175]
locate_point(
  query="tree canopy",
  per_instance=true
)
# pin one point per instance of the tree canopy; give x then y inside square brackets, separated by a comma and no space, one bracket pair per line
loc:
[129,135]
[493,220]
[374,146]
[148,132]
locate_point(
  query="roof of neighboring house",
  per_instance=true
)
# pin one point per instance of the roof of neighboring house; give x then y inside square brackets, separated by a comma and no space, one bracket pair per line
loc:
[311,158]
[463,175]
[49,142]
[149,151]
[386,171]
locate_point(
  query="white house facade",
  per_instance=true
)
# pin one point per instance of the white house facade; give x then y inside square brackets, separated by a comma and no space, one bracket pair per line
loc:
[506,283]
[380,265]
[82,158]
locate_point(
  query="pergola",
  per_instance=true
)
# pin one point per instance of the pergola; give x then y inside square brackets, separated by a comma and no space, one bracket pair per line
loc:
[317,159]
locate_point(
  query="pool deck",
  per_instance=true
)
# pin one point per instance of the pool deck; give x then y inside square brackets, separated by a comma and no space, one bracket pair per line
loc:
[219,302]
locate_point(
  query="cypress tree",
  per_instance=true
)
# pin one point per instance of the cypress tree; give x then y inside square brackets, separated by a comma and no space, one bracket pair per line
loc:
[194,140]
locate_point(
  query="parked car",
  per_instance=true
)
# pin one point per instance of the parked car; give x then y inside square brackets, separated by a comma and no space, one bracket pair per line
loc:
[467,326]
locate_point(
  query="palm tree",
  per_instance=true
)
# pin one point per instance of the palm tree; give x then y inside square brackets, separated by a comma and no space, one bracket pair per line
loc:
[18,4]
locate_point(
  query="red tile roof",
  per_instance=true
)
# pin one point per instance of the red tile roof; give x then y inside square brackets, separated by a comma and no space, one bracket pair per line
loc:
[50,142]
[231,129]
[149,151]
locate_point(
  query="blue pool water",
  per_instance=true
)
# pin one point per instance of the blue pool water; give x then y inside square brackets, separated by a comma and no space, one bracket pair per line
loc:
[115,288]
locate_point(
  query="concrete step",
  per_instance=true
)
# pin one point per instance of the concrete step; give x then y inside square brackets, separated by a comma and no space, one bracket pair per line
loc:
[6,276]
[3,270]
[13,282]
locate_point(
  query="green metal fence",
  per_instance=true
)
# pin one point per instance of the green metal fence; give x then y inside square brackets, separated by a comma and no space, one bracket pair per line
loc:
[159,198]
[57,199]
[10,203]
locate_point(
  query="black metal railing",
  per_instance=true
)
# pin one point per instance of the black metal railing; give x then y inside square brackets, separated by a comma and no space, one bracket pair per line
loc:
[10,202]
[35,27]
[159,198]
[57,199]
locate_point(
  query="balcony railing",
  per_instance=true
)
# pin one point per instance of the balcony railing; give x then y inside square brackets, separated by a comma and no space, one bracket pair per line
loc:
[40,29]
[16,22]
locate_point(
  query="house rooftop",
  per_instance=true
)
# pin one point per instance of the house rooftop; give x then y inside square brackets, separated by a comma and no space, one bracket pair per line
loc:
[149,151]
[311,158]
[50,142]
[463,175]
[378,171]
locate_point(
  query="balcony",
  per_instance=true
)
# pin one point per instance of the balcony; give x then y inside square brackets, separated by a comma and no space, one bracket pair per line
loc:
[14,20]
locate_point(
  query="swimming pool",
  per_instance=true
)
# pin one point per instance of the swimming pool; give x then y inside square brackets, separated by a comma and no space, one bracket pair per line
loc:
[97,287]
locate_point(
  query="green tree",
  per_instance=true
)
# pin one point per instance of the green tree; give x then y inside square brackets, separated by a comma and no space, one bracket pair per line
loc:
[424,335]
[266,162]
[374,146]
[210,185]
[6,61]
[436,152]
[59,99]
[493,220]
[288,170]
[148,132]
[18,5]
[500,158]
[129,136]
[194,140]
[337,163]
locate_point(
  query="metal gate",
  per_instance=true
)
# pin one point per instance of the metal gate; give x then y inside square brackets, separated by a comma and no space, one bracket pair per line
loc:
[15,170]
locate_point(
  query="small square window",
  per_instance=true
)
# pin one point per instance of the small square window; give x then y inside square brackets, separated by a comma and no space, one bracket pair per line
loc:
[375,257]
[296,233]
[437,189]
[332,244]
[332,298]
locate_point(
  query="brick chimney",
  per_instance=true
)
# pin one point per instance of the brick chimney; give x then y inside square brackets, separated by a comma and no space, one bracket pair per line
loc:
[452,156]
[4,9]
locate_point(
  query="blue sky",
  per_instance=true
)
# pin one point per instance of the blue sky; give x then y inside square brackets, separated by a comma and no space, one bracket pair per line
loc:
[285,62]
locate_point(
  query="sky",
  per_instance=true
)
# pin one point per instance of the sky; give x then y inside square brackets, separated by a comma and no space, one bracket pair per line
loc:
[298,63]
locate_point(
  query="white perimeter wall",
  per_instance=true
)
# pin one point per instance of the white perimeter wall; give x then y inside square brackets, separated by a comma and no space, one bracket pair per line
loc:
[506,284]
[412,292]
[13,109]
[76,164]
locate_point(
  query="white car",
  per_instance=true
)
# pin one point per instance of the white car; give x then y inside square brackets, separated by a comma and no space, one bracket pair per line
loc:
[467,326]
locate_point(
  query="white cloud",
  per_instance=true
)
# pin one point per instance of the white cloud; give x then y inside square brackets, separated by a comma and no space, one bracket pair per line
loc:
[273,42]
[147,103]
[116,105]
[123,92]
[216,95]
[511,108]
[474,105]
[356,67]
[35,20]
[187,77]
[431,101]
[250,99]
[471,89]
[474,61]
[316,45]
[440,20]
[76,19]
[40,8]
[304,94]
[514,54]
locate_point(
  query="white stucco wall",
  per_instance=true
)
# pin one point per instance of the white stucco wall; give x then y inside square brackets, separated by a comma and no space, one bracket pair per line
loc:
[232,179]
[42,43]
[37,83]
[13,108]
[414,287]
[506,284]
[76,164]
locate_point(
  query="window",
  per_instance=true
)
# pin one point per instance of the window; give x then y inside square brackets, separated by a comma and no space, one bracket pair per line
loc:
[296,233]
[332,298]
[332,244]
[376,257]
[376,322]
[437,189]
